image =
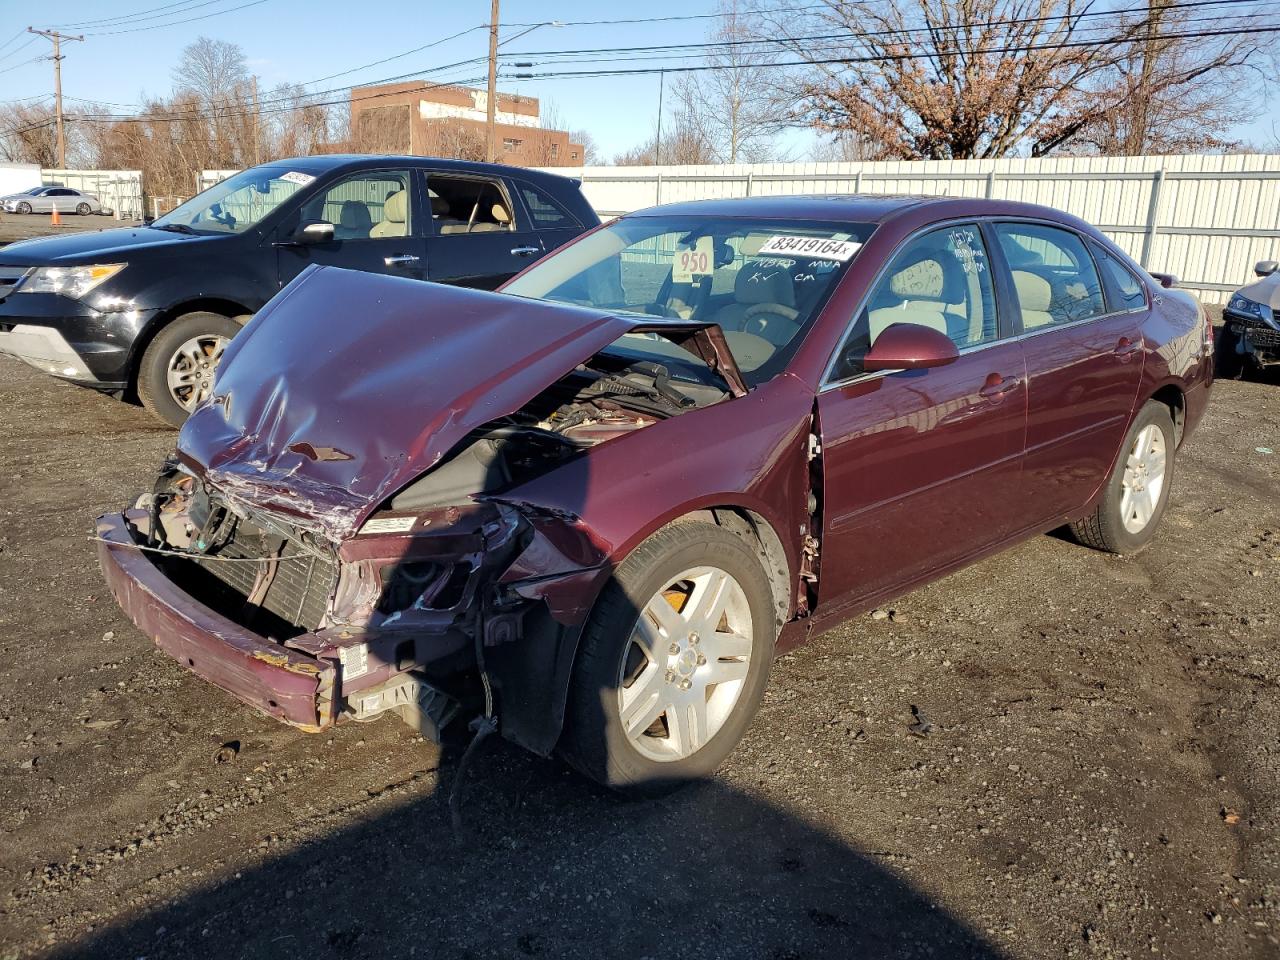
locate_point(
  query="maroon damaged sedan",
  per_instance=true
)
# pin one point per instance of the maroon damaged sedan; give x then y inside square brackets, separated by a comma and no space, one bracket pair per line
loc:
[590,509]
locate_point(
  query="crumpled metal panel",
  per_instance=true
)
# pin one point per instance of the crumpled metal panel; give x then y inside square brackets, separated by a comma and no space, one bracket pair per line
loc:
[348,385]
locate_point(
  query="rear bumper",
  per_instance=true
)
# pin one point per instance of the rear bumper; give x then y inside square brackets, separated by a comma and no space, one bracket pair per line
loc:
[280,682]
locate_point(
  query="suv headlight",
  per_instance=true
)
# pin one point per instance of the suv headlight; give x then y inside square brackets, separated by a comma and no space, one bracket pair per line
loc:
[1248,307]
[73,282]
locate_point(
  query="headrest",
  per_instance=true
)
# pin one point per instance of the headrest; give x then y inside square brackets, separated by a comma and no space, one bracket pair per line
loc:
[1034,291]
[354,215]
[396,207]
[439,207]
[764,284]
[500,213]
[934,276]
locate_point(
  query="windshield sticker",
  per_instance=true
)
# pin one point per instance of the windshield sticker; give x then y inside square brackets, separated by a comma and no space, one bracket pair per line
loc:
[696,261]
[821,248]
[301,179]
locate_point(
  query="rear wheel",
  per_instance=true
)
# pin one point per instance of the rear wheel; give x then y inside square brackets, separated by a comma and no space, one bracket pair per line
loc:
[177,368]
[83,209]
[673,663]
[1137,490]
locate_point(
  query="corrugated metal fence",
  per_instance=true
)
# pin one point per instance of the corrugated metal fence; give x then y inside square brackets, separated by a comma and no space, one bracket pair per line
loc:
[1207,219]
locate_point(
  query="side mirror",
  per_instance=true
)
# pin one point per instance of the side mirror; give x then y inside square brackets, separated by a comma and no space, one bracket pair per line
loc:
[909,346]
[148,218]
[1265,268]
[312,231]
[1166,280]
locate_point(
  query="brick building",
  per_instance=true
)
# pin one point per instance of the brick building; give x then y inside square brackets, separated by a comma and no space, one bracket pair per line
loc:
[408,118]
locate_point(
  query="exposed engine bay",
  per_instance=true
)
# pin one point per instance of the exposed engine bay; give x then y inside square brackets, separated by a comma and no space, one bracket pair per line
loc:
[596,403]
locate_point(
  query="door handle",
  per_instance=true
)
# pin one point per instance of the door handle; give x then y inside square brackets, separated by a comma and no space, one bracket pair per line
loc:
[400,260]
[525,251]
[997,386]
[1127,348]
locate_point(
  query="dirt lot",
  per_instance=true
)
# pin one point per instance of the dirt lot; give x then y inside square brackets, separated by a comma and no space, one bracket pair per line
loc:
[18,227]
[1102,777]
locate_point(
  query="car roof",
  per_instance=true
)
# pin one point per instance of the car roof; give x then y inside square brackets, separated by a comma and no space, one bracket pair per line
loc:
[855,208]
[363,161]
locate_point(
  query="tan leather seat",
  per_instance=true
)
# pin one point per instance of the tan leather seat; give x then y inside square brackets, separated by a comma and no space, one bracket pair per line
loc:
[395,214]
[354,221]
[500,214]
[920,289]
[1035,296]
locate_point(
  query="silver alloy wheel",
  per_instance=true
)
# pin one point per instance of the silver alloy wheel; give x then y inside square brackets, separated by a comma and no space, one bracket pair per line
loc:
[686,664]
[1143,479]
[189,372]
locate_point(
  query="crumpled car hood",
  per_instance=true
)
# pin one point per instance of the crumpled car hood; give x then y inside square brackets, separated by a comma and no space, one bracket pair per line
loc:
[348,385]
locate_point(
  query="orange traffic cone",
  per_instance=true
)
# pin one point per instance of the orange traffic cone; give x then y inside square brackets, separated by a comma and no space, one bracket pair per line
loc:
[55,219]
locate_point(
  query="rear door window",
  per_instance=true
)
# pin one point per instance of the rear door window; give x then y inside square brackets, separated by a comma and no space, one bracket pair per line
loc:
[1124,290]
[545,212]
[462,205]
[1053,274]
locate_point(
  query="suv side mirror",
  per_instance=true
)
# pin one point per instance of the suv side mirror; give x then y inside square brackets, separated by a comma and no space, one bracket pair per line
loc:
[312,231]
[909,346]
[1265,268]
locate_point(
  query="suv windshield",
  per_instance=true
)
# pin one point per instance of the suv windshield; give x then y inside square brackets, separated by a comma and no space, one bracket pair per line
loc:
[763,281]
[237,203]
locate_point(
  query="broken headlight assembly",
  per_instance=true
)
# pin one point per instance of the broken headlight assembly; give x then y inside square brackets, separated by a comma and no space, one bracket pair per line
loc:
[1251,309]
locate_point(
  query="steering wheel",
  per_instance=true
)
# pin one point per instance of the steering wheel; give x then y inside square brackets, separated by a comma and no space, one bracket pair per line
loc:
[754,319]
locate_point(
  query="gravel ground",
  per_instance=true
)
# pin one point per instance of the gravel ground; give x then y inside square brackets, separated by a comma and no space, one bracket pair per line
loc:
[1101,778]
[14,226]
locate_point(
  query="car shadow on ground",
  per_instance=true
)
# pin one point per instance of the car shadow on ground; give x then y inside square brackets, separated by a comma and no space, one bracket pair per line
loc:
[549,865]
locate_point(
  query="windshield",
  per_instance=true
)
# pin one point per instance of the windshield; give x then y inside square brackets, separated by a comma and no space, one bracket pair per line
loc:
[763,281]
[237,203]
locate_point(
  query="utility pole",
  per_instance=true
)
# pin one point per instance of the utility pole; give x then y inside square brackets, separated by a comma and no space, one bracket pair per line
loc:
[57,39]
[257,136]
[491,128]
[657,143]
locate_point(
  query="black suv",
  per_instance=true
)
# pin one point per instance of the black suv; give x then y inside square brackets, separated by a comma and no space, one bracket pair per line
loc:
[150,308]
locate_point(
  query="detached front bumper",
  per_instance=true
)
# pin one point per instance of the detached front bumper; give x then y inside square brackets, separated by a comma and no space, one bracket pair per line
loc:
[278,681]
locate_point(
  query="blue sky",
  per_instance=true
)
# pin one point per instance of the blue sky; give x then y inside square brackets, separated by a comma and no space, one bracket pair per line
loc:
[303,40]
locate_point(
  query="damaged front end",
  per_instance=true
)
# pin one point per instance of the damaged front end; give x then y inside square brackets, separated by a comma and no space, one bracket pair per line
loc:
[323,561]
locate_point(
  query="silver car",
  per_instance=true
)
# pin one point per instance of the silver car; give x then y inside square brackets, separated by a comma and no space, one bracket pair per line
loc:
[46,199]
[1250,335]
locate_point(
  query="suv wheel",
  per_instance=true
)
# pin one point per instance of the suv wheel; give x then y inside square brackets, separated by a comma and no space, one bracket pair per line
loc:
[673,663]
[1137,490]
[177,368]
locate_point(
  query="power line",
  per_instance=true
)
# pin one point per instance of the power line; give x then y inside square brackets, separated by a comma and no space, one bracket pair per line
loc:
[1194,35]
[397,56]
[174,23]
[128,18]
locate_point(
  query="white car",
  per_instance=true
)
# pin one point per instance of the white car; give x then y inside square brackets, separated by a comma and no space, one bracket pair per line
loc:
[45,199]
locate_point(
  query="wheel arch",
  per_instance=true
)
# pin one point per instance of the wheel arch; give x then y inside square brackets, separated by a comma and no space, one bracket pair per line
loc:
[220,305]
[1174,397]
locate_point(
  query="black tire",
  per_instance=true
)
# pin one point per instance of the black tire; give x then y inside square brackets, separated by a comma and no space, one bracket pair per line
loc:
[594,741]
[153,388]
[24,208]
[1104,529]
[1228,364]
[83,209]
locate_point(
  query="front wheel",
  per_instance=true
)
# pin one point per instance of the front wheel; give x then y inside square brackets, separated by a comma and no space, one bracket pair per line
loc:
[673,662]
[24,207]
[1137,491]
[83,209]
[177,369]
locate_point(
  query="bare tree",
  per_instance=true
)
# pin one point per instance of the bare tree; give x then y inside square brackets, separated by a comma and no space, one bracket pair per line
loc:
[27,134]
[737,98]
[958,79]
